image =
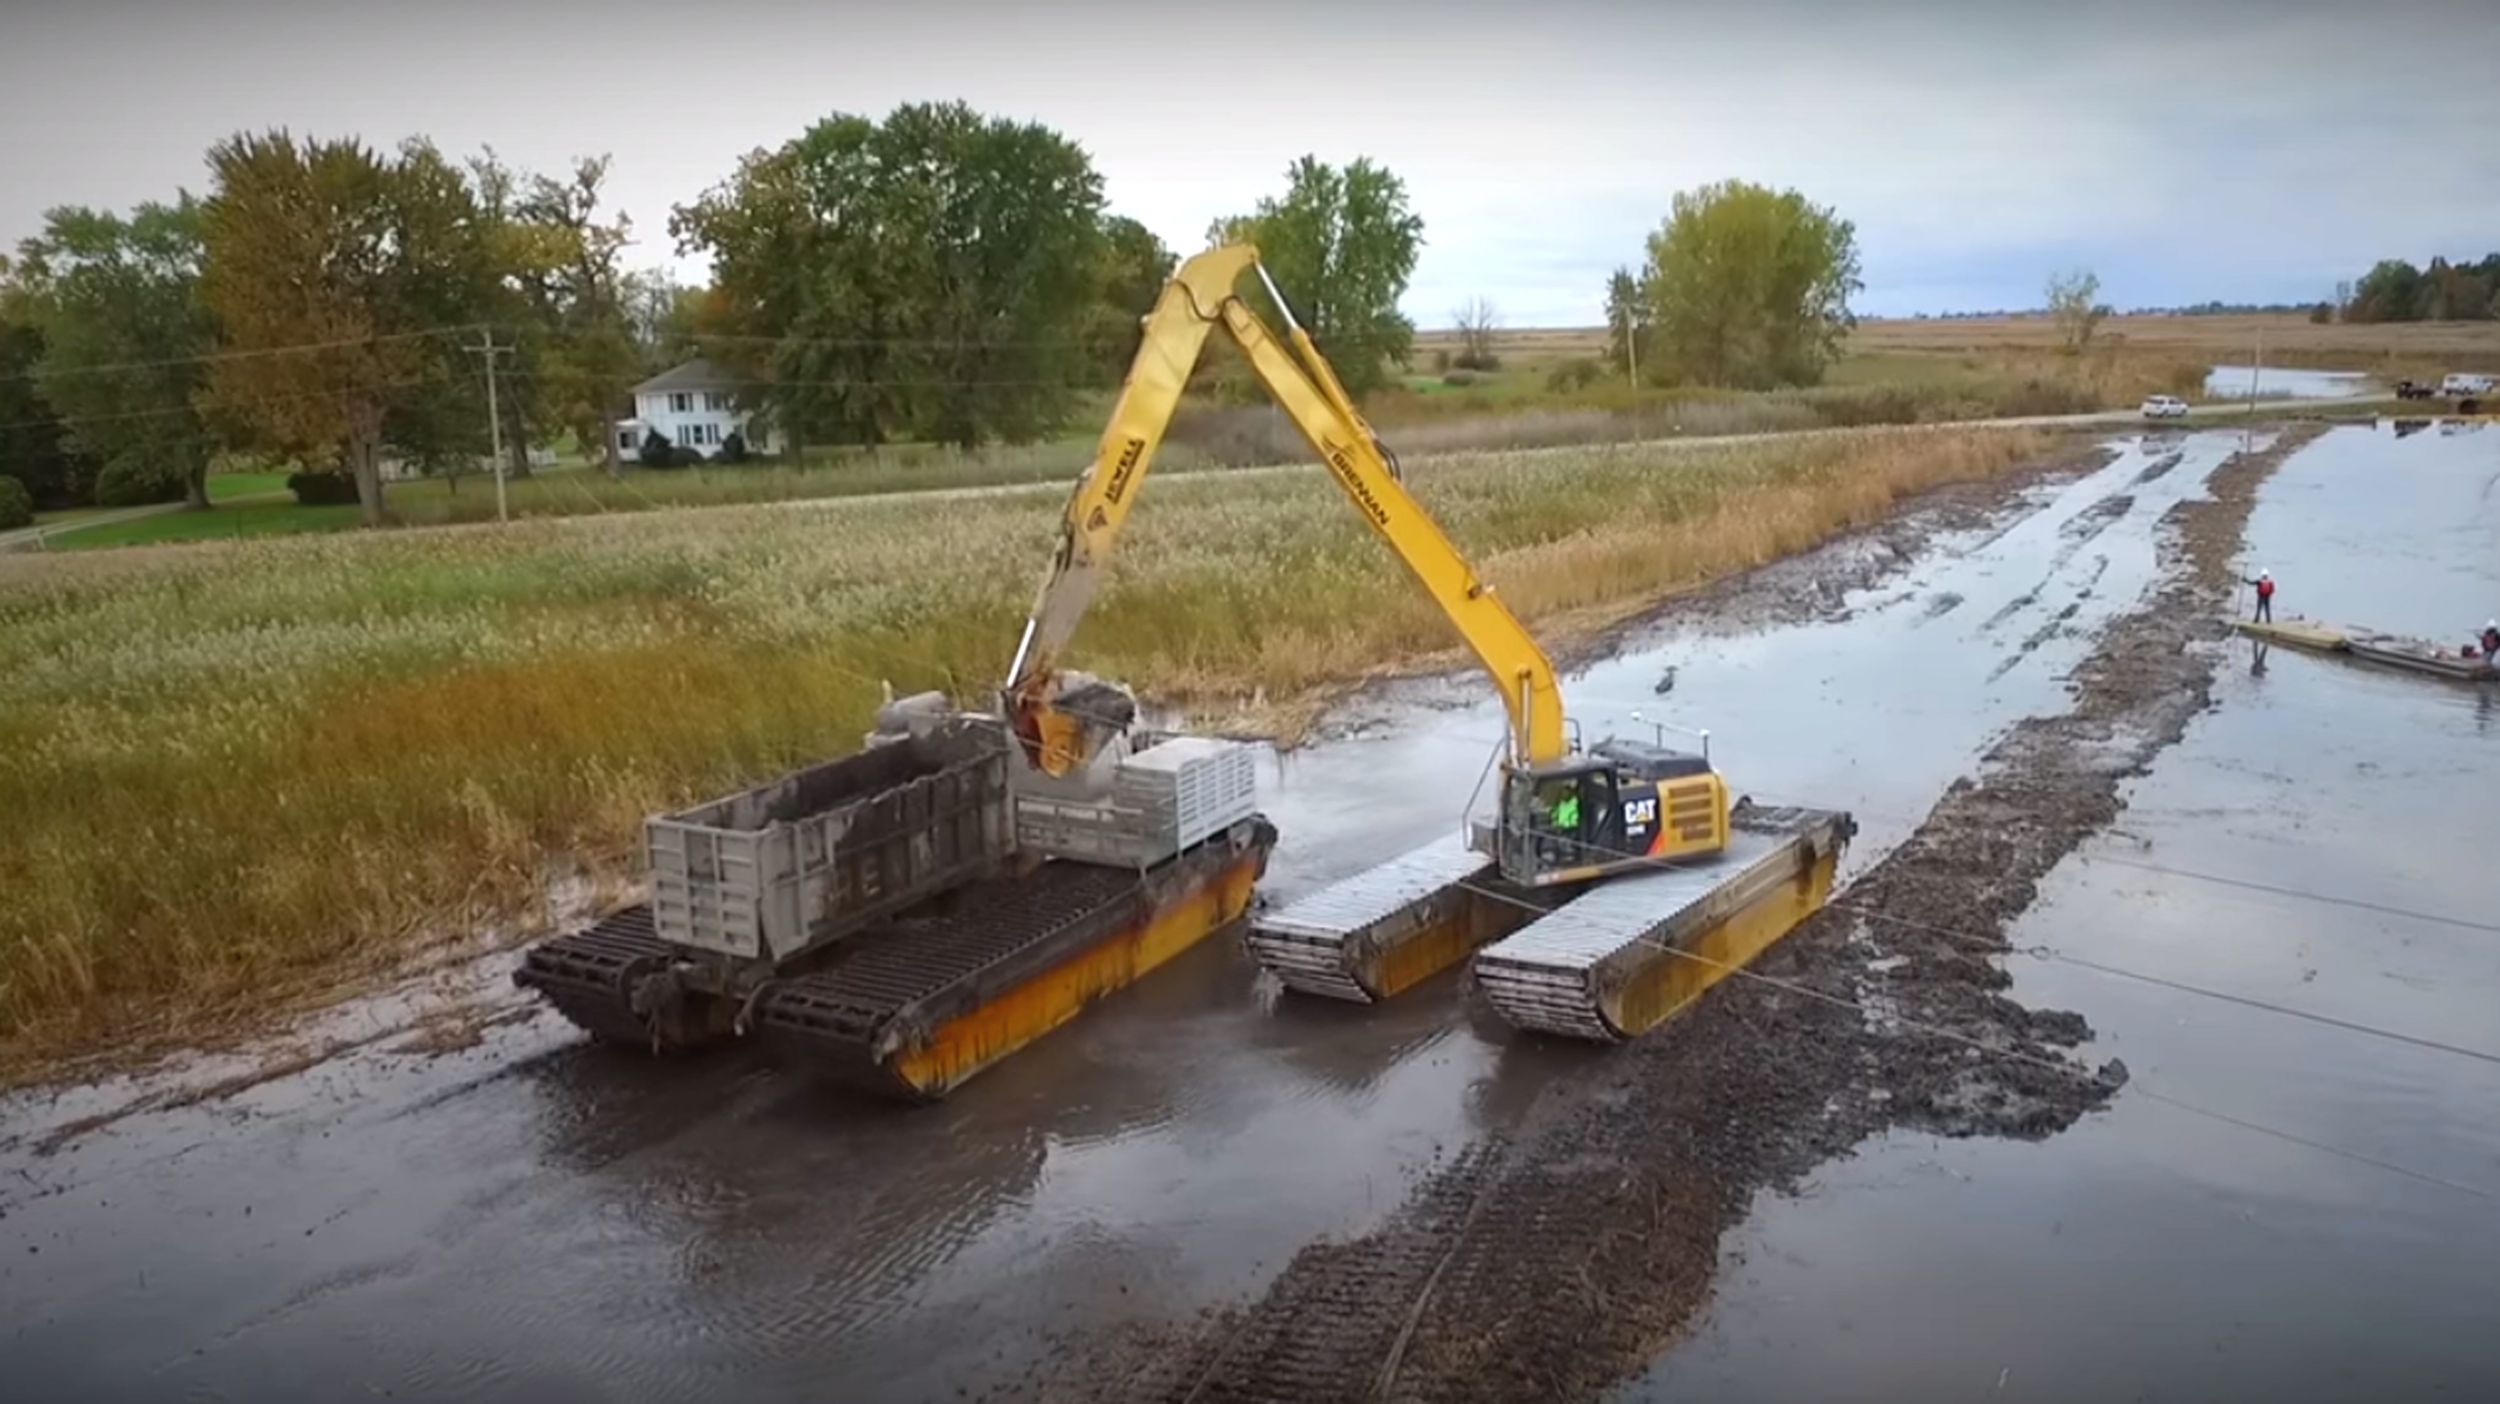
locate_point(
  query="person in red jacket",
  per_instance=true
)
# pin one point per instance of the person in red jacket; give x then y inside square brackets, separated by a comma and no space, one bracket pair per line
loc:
[2265,596]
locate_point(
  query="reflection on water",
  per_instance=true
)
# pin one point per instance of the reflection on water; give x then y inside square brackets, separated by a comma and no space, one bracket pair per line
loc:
[2151,1252]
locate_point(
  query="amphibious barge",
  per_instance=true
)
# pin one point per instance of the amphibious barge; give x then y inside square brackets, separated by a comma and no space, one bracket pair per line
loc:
[902,919]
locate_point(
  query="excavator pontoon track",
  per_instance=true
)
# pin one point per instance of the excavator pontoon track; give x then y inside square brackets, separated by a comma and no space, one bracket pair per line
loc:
[607,980]
[1378,932]
[1636,950]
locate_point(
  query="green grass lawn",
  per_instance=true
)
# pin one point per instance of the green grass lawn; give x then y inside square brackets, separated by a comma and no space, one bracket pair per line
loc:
[226,487]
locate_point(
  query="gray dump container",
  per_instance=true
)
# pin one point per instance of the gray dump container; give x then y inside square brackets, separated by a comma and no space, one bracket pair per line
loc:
[1168,797]
[825,851]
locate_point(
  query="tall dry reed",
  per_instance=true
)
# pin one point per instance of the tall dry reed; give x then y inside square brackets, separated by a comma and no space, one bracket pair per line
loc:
[247,773]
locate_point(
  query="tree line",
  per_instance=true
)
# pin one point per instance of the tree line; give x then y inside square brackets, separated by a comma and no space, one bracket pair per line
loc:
[317,306]
[2396,291]
[937,275]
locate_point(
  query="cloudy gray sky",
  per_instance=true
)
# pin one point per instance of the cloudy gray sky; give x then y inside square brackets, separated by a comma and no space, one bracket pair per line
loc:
[2185,150]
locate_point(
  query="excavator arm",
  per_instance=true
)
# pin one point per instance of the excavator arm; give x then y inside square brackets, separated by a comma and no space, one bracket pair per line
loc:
[1201,296]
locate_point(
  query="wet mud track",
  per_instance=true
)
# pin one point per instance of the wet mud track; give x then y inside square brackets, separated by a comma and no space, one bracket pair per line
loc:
[527,1217]
[1561,1258]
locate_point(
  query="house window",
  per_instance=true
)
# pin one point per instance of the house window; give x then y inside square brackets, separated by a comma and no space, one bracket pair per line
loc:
[625,439]
[681,402]
[715,400]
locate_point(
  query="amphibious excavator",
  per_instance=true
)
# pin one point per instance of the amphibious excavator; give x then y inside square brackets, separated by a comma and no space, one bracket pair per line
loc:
[1619,878]
[909,915]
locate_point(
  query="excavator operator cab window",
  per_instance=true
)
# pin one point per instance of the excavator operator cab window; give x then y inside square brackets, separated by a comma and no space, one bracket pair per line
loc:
[1574,819]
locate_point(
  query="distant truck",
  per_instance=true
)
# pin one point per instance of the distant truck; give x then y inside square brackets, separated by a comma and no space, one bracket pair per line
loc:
[2461,383]
[2414,390]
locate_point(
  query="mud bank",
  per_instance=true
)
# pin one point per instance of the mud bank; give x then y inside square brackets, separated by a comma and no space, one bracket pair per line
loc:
[533,1217]
[1557,1260]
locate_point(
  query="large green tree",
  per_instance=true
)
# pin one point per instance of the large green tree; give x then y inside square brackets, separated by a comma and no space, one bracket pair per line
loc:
[348,280]
[2389,292]
[125,337]
[1135,266]
[2074,305]
[559,254]
[1750,287]
[1341,245]
[56,470]
[920,276]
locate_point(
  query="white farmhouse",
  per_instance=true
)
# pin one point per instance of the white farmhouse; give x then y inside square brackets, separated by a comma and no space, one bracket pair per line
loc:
[695,406]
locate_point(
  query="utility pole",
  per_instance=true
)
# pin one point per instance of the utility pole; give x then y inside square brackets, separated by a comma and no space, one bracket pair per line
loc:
[494,415]
[2256,368]
[1631,353]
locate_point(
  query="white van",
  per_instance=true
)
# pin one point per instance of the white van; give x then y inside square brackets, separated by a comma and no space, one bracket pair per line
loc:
[2460,383]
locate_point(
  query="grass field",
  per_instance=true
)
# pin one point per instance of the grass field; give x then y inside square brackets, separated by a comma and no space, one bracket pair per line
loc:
[1874,382]
[2228,338]
[256,504]
[248,772]
[2288,339]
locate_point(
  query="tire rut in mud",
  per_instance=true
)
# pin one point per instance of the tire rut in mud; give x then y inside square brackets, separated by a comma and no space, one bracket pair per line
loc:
[1557,1263]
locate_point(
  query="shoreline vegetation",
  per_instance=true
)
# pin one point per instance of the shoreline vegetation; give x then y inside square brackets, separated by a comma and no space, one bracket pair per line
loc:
[1548,388]
[247,775]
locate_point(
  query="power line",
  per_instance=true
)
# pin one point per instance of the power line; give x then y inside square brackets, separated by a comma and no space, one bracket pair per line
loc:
[248,353]
[1997,945]
[924,383]
[918,343]
[1994,945]
[2328,898]
[2053,1065]
[72,423]
[2219,879]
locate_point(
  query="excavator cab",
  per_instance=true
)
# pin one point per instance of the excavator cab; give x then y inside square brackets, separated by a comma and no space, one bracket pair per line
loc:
[1619,805]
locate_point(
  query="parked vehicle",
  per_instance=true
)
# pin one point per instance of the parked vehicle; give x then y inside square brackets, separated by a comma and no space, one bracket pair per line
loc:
[2164,407]
[2414,390]
[2461,383]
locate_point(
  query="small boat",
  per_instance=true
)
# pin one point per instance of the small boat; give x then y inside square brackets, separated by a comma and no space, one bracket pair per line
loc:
[2370,645]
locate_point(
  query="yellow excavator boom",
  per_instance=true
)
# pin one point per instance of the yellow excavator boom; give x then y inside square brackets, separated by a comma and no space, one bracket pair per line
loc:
[1202,295]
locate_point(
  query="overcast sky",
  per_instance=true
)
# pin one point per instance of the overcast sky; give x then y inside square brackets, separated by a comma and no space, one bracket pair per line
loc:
[2184,150]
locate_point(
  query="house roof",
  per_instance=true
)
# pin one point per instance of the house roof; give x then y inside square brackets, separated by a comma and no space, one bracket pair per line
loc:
[697,374]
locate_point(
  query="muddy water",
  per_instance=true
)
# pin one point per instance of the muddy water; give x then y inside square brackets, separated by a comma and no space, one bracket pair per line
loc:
[534,1218]
[2153,1252]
